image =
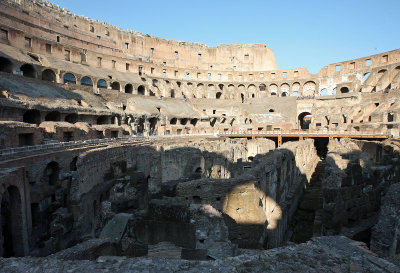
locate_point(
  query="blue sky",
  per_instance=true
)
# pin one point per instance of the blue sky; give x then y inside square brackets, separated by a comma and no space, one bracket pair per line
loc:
[308,34]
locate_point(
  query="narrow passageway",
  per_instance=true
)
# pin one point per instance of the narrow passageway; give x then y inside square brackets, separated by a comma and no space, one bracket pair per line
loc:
[307,219]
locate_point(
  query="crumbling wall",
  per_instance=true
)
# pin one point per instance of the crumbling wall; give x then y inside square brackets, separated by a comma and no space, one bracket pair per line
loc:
[258,204]
[385,238]
[356,174]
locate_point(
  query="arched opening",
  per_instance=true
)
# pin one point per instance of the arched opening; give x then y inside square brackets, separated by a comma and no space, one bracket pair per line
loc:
[69,78]
[273,89]
[53,116]
[141,90]
[5,65]
[32,116]
[49,75]
[116,86]
[102,120]
[71,118]
[172,93]
[305,120]
[173,121]
[309,88]
[28,71]
[153,126]
[285,88]
[194,121]
[218,95]
[86,81]
[140,125]
[344,90]
[390,117]
[184,121]
[366,76]
[323,92]
[242,97]
[273,94]
[128,88]
[262,87]
[51,173]
[11,223]
[102,84]
[271,110]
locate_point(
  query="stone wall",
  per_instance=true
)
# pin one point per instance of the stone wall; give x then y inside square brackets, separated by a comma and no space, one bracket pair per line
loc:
[258,204]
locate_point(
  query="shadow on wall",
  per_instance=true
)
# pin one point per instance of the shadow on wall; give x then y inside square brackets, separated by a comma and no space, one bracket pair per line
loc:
[257,199]
[256,205]
[344,196]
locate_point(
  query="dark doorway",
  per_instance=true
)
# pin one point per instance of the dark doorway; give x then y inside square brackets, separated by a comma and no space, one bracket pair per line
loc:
[49,75]
[115,86]
[5,65]
[53,116]
[28,71]
[25,139]
[11,223]
[128,88]
[51,173]
[305,119]
[141,90]
[32,116]
[71,118]
[321,144]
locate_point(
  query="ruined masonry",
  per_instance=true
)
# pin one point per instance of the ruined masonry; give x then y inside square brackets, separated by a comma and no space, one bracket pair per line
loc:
[130,153]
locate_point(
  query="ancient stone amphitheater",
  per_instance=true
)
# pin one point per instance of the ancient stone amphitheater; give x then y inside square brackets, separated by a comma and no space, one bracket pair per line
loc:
[130,153]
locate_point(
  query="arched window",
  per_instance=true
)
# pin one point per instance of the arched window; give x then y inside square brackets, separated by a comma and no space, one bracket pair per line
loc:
[116,86]
[323,92]
[218,95]
[28,71]
[49,75]
[5,65]
[305,120]
[141,90]
[366,76]
[128,88]
[102,84]
[69,78]
[86,81]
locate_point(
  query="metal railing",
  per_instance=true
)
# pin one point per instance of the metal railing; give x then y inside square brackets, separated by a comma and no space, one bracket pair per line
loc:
[304,133]
[88,142]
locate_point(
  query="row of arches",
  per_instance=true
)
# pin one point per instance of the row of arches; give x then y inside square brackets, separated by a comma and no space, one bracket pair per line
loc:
[189,89]
[34,116]
[27,70]
[101,83]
